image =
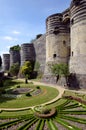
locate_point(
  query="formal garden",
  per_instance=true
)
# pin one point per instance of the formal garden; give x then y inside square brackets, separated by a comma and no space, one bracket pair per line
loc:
[28,107]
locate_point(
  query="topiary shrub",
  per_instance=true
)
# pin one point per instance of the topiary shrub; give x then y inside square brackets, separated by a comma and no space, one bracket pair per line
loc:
[38,87]
[1,83]
[45,111]
[3,91]
[28,94]
[18,86]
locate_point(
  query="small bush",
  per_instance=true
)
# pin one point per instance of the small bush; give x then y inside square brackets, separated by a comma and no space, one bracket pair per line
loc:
[38,87]
[45,111]
[3,91]
[18,86]
[1,83]
[28,94]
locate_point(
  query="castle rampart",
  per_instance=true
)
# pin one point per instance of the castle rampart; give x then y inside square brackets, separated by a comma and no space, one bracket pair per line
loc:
[27,53]
[6,62]
[78,40]
[14,57]
[64,42]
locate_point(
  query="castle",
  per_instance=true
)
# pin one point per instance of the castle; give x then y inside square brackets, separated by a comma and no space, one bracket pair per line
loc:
[64,42]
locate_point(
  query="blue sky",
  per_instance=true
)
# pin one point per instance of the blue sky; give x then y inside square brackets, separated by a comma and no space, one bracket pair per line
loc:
[22,20]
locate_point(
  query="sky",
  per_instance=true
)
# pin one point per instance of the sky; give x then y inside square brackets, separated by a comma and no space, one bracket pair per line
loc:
[22,20]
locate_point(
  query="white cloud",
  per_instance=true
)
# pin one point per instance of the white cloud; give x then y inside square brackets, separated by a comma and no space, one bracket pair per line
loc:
[9,38]
[16,32]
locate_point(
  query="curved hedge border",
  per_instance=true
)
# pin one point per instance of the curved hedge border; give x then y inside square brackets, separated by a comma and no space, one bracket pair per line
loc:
[52,113]
[76,99]
[62,115]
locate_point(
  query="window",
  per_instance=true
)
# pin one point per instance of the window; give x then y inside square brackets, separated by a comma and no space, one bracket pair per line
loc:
[64,42]
[60,19]
[56,32]
[72,53]
[56,28]
[54,55]
[72,21]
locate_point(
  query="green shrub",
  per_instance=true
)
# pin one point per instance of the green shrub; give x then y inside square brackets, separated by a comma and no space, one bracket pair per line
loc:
[45,111]
[14,69]
[1,83]
[15,48]
[3,91]
[38,87]
[18,86]
[28,94]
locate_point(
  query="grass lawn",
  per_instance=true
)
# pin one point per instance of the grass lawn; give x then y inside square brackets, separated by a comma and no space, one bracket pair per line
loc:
[47,94]
[14,114]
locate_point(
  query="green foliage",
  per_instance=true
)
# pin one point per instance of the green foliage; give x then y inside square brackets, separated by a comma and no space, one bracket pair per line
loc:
[3,91]
[37,66]
[28,94]
[60,69]
[1,83]
[27,69]
[45,111]
[66,113]
[18,86]
[38,87]
[14,69]
[0,61]
[15,48]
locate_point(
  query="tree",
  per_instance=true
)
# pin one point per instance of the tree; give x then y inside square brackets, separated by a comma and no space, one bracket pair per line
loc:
[0,61]
[14,69]
[15,48]
[60,70]
[27,69]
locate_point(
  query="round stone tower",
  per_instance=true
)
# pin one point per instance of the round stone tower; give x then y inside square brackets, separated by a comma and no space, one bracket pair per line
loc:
[14,57]
[6,62]
[78,41]
[27,53]
[57,41]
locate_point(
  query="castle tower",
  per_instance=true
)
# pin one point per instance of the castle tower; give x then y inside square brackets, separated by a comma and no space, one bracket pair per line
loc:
[6,62]
[78,40]
[57,41]
[14,57]
[27,53]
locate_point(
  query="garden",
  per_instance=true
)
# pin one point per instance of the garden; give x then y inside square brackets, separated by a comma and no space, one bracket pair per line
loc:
[27,112]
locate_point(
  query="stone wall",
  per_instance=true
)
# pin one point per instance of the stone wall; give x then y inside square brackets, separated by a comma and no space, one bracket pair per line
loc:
[78,40]
[27,52]
[57,43]
[40,51]
[14,57]
[6,62]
